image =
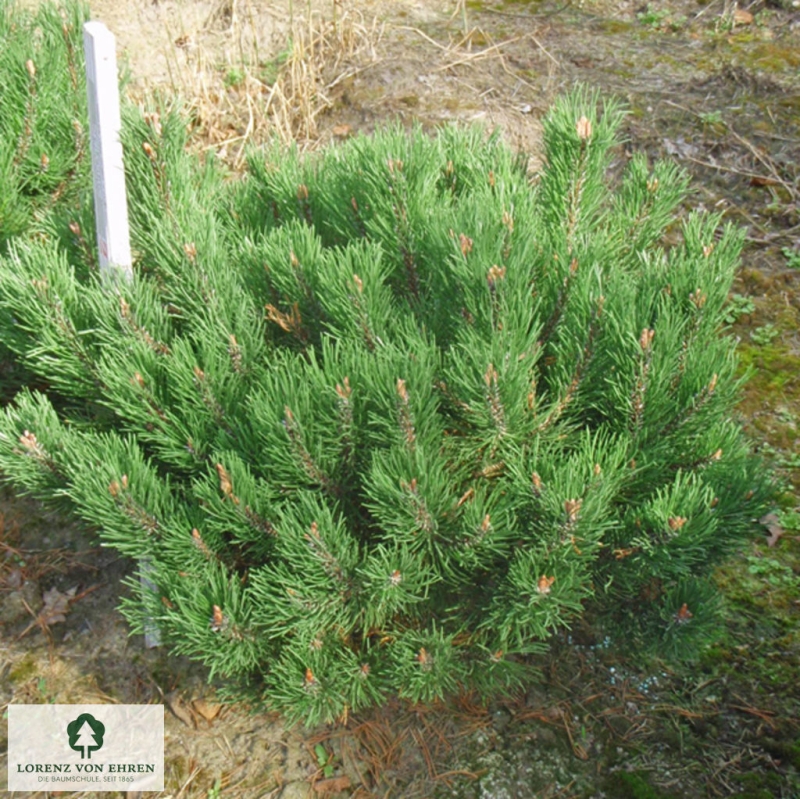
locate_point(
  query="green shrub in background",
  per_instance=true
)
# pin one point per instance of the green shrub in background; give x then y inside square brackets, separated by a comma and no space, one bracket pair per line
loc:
[383,418]
[44,137]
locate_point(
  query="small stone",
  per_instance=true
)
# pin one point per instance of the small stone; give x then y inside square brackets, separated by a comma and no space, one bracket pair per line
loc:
[500,718]
[537,697]
[295,790]
[13,608]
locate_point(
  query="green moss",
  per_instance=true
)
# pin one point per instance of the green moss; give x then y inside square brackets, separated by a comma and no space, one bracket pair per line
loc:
[759,785]
[23,671]
[775,57]
[776,367]
[614,26]
[715,657]
[632,785]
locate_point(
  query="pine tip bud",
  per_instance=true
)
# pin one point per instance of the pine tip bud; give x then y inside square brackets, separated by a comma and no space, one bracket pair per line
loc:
[544,584]
[583,128]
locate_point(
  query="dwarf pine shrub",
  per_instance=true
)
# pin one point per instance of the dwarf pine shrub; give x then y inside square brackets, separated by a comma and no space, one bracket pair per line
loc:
[44,137]
[44,141]
[383,418]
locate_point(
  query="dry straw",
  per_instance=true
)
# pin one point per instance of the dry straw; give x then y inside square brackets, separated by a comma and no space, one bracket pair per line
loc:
[269,84]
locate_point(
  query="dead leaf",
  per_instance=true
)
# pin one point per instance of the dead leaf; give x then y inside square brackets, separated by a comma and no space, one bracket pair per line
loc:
[209,711]
[342,131]
[180,709]
[333,784]
[742,17]
[772,523]
[56,606]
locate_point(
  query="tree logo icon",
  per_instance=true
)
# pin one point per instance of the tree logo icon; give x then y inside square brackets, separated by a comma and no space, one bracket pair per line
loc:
[86,734]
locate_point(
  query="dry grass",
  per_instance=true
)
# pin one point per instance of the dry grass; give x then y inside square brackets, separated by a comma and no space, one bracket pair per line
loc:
[263,90]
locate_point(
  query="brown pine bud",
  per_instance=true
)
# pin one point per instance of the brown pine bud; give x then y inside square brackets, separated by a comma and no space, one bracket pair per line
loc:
[344,390]
[310,680]
[543,586]
[465,497]
[402,391]
[573,266]
[572,507]
[225,483]
[217,619]
[495,273]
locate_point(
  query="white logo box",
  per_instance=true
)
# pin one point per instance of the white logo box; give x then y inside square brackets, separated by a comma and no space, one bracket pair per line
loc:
[85,747]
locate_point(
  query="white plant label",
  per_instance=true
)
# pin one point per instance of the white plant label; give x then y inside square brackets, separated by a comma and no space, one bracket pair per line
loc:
[110,200]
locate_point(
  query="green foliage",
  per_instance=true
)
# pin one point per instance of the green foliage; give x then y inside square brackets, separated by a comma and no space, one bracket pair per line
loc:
[792,257]
[739,306]
[764,335]
[325,760]
[44,138]
[660,18]
[772,571]
[382,419]
[235,77]
[633,785]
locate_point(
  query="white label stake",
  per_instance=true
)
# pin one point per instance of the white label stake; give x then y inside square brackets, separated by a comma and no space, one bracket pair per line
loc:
[110,199]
